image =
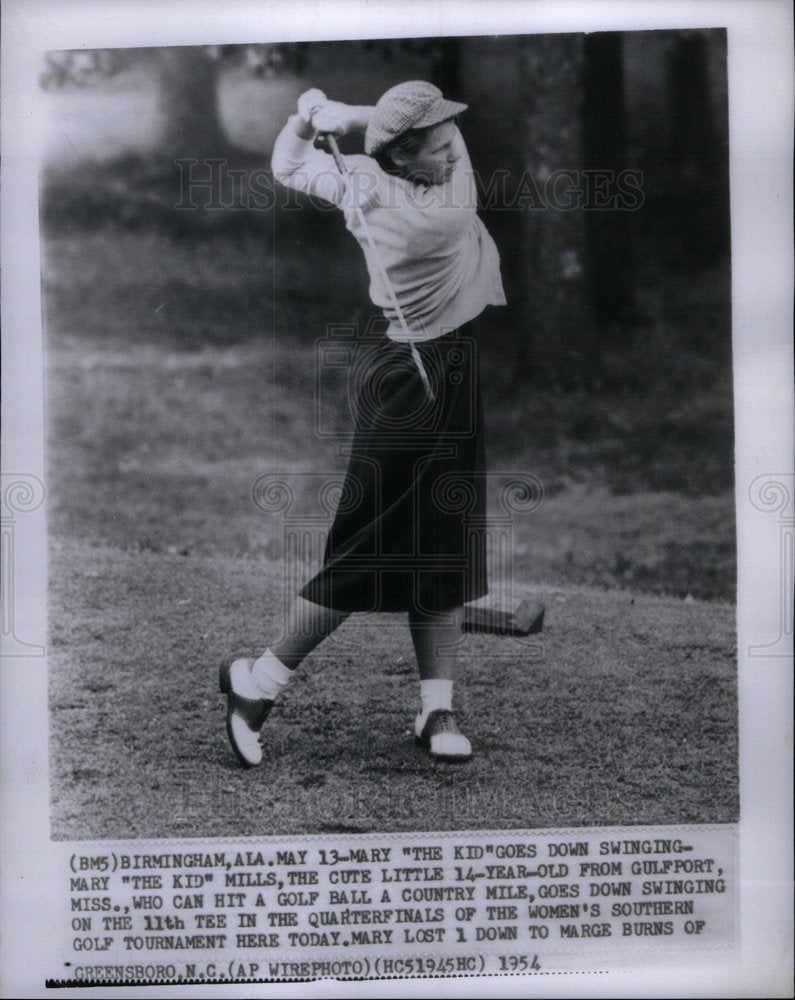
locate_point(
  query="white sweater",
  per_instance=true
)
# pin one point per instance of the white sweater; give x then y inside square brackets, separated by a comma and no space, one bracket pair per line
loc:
[441,261]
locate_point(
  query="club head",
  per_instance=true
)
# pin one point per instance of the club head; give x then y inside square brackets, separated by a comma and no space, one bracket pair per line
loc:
[526,619]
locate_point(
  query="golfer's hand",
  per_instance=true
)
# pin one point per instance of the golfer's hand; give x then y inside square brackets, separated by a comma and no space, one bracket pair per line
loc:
[323,115]
[309,103]
[336,117]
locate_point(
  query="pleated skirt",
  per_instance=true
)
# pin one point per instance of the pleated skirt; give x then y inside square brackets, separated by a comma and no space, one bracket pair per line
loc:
[409,532]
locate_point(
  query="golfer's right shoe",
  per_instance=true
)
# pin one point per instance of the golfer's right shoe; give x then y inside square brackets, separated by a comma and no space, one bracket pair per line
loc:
[442,738]
[245,713]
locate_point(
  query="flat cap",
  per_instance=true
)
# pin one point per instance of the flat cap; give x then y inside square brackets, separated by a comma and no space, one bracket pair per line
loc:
[414,104]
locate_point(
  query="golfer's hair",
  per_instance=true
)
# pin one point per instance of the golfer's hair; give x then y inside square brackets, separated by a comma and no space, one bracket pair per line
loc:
[409,142]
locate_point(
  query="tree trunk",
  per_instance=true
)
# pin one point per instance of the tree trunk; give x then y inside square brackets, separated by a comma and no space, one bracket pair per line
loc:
[188,97]
[447,68]
[607,224]
[559,335]
[698,159]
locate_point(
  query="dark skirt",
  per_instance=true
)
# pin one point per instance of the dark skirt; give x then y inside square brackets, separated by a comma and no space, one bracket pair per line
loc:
[410,528]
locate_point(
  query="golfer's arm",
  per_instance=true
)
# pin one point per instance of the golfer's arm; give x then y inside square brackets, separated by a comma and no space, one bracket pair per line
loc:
[297,164]
[360,116]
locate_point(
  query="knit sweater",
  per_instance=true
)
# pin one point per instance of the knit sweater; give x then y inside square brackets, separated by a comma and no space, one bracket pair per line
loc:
[440,259]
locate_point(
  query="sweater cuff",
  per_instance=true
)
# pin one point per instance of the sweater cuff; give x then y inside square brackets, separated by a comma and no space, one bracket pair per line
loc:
[303,129]
[290,147]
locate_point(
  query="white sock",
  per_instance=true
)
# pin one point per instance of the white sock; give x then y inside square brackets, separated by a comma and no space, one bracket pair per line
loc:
[434,694]
[270,676]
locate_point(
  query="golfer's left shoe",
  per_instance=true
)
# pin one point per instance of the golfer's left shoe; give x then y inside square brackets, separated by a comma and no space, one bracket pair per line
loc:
[442,738]
[245,712]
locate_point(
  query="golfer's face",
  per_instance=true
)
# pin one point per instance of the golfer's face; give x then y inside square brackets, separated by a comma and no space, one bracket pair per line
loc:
[435,160]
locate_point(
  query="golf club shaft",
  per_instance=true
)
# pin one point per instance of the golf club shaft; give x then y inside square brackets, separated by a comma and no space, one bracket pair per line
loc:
[331,139]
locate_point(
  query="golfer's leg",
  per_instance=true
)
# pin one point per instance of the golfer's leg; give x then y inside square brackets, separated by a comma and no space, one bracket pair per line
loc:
[436,638]
[252,687]
[306,626]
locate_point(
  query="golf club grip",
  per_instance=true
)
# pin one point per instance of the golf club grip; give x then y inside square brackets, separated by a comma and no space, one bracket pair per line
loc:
[331,139]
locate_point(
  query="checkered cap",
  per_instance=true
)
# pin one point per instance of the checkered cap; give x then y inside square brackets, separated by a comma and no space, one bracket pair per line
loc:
[414,104]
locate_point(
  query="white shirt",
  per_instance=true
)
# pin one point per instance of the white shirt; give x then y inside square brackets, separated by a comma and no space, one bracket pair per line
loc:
[439,257]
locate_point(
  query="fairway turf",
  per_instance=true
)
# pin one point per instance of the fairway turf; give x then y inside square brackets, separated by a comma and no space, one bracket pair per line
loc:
[621,712]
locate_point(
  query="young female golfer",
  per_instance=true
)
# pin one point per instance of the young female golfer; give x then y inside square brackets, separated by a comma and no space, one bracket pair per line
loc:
[410,534]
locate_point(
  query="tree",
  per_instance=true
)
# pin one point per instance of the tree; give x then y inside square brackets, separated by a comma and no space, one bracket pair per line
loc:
[548,112]
[555,292]
[698,159]
[608,233]
[188,104]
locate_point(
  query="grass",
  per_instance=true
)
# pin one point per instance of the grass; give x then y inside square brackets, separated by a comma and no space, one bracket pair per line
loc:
[621,712]
[174,381]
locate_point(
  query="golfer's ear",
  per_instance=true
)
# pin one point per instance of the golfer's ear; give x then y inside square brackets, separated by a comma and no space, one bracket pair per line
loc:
[398,156]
